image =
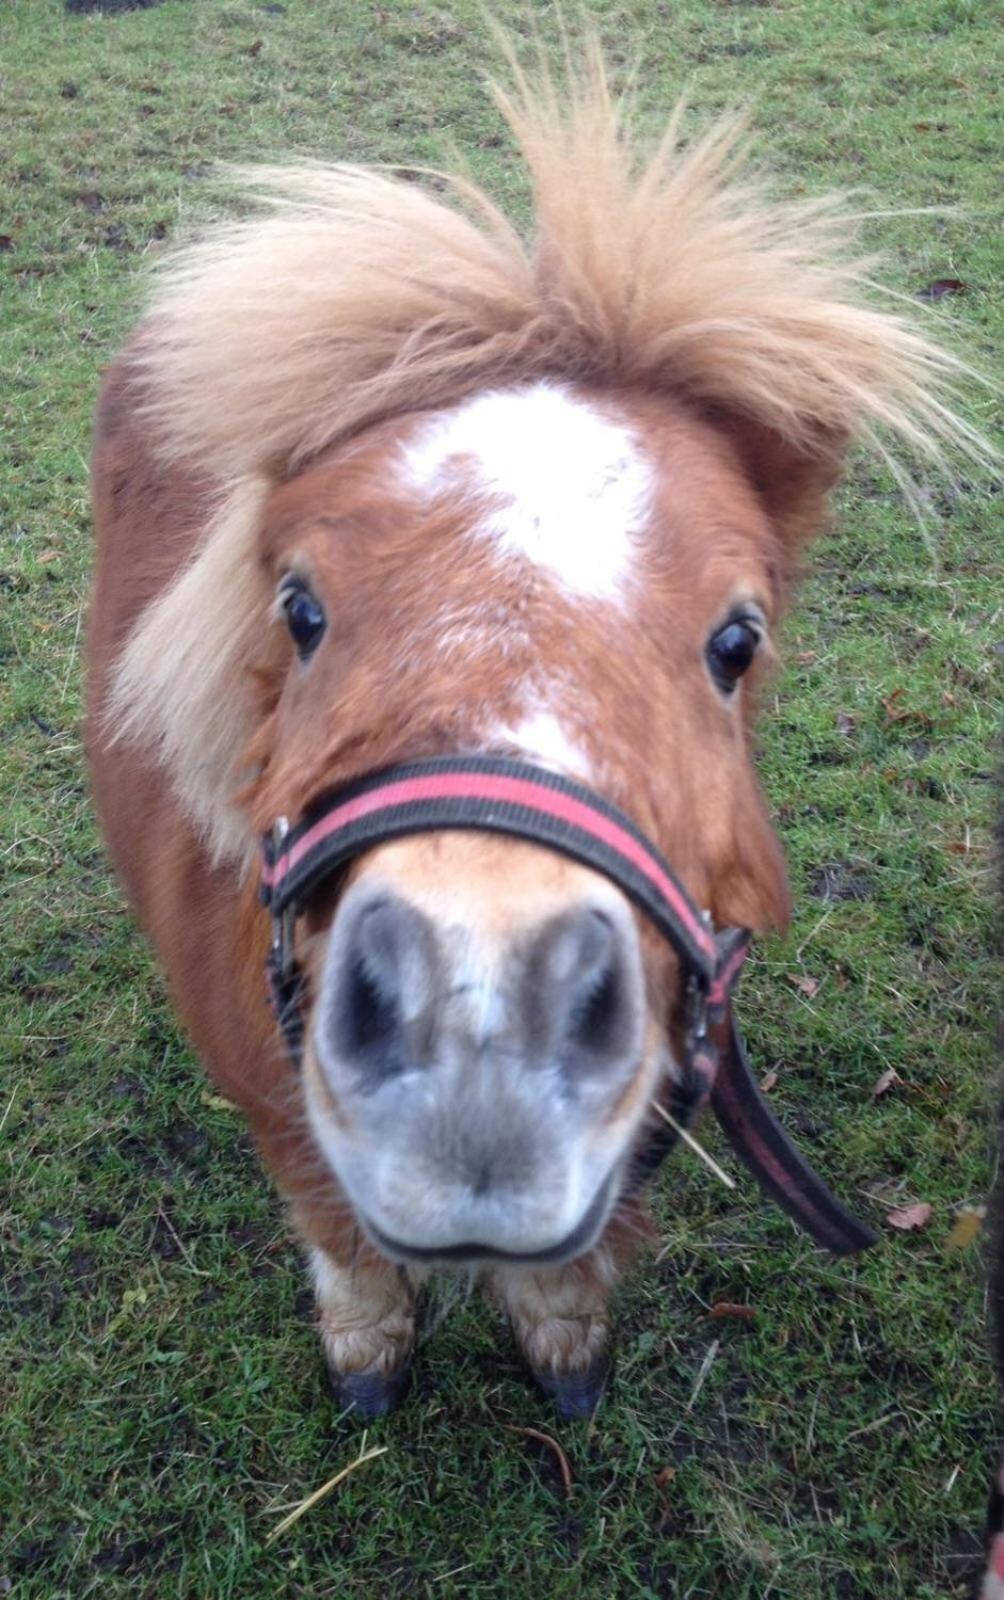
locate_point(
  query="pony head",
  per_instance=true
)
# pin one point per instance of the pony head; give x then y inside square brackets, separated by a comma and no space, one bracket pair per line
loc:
[536,496]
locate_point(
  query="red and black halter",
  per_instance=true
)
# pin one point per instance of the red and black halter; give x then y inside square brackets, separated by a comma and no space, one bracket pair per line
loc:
[496,795]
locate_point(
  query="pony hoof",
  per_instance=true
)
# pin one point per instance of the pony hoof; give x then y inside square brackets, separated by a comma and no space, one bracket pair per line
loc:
[366,1395]
[579,1393]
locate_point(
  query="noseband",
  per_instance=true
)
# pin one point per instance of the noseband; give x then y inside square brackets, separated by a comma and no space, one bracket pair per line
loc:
[496,795]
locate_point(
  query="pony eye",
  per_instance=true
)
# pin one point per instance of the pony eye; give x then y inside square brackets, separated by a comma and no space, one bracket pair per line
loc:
[303,615]
[731,651]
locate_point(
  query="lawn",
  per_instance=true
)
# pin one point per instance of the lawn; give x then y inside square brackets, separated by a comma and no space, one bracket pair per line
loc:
[161,1399]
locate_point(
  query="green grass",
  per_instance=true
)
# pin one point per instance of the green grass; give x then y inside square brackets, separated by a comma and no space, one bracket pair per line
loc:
[161,1393]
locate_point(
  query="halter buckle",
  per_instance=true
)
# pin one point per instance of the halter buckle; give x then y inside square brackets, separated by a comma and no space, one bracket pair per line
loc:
[696,1012]
[283,922]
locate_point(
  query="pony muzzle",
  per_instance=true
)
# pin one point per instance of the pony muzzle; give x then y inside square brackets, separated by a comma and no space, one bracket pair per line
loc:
[477,1050]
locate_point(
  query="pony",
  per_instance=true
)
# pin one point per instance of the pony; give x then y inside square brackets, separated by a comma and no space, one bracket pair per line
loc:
[383,477]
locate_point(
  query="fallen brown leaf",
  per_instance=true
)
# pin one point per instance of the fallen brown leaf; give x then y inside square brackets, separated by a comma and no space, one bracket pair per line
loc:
[895,711]
[910,1219]
[729,1308]
[804,984]
[769,1081]
[940,287]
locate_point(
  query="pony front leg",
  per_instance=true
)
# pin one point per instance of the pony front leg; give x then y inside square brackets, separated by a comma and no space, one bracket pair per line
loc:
[561,1315]
[366,1321]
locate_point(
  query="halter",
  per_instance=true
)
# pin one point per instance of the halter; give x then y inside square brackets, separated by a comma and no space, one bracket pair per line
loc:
[495,795]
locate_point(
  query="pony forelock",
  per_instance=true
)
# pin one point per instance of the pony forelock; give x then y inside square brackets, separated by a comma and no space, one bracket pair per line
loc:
[360,295]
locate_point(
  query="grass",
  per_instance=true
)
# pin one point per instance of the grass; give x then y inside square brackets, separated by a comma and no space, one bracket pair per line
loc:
[162,1403]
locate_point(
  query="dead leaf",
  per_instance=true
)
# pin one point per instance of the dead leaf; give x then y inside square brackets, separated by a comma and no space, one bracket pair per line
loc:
[664,1477]
[845,724]
[804,984]
[805,658]
[890,1079]
[910,1219]
[965,1228]
[940,287]
[254,48]
[729,1308]
[894,712]
[768,1081]
[48,556]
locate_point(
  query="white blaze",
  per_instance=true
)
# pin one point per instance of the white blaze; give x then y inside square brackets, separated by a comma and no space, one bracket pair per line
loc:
[569,489]
[542,737]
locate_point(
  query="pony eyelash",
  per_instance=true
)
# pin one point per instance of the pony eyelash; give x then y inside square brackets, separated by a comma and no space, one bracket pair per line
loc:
[750,614]
[288,585]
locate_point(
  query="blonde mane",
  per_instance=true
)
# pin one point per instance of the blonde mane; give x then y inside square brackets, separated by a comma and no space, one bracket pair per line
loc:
[359,296]
[364,295]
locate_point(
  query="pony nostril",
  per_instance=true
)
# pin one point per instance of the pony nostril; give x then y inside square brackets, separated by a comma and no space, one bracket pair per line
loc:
[578,946]
[369,1015]
[382,969]
[584,993]
[598,1012]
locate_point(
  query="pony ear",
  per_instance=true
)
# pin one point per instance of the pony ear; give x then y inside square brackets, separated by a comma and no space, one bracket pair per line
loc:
[793,481]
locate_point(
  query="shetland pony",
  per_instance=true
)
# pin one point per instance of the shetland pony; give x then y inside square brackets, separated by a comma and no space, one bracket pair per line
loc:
[381,477]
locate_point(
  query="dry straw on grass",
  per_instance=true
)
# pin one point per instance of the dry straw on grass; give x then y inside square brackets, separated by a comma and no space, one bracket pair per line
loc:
[320,1494]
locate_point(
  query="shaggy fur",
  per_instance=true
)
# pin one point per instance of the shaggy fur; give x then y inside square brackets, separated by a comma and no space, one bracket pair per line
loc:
[361,296]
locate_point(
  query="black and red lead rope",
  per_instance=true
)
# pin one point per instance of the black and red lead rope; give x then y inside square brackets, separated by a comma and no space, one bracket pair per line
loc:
[493,794]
